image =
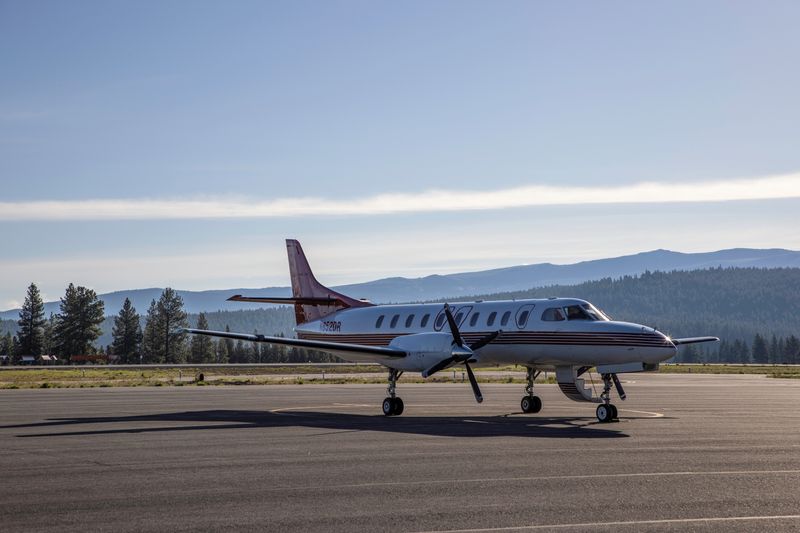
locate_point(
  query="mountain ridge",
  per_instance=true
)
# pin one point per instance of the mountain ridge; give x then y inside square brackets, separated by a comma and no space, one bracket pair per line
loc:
[463,284]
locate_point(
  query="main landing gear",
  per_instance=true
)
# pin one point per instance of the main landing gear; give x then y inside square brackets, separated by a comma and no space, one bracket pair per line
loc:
[531,403]
[606,411]
[393,405]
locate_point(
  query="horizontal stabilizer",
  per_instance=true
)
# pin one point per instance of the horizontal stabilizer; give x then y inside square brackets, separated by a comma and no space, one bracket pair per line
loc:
[693,340]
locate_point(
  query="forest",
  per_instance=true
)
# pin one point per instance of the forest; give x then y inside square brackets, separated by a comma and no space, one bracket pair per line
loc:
[755,312]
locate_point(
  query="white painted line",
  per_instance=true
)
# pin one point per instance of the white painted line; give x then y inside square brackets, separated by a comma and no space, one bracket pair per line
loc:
[541,478]
[626,523]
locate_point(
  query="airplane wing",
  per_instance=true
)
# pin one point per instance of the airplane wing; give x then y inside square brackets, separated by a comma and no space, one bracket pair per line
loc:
[349,352]
[692,340]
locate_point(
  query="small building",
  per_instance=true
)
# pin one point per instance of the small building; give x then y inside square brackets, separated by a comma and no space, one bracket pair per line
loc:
[48,360]
[27,360]
[5,360]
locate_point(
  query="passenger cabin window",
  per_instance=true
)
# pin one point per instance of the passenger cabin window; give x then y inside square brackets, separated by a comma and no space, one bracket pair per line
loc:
[504,320]
[522,318]
[474,320]
[459,316]
[554,314]
[379,322]
[439,321]
[393,323]
[491,318]
[425,319]
[409,321]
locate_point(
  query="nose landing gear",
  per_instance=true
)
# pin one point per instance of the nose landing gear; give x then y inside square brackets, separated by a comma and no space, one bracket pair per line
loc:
[393,405]
[606,411]
[531,403]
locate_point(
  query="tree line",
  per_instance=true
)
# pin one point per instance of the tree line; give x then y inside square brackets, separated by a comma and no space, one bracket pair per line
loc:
[154,338]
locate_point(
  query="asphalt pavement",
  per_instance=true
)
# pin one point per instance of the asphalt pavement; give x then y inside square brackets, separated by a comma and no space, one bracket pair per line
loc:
[696,452]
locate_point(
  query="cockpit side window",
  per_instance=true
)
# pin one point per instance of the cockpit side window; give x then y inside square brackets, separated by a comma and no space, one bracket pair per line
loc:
[554,314]
[576,312]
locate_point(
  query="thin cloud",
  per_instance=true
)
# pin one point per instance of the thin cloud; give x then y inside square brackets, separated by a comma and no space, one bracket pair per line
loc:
[773,187]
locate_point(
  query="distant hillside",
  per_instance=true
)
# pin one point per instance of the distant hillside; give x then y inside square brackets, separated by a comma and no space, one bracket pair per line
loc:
[515,278]
[732,303]
[729,303]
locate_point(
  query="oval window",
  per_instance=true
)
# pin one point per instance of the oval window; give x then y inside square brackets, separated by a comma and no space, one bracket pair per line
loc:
[425,319]
[491,318]
[379,322]
[474,320]
[409,321]
[506,316]
[393,323]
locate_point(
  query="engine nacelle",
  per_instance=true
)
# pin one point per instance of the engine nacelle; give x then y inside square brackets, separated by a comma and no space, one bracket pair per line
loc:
[424,349]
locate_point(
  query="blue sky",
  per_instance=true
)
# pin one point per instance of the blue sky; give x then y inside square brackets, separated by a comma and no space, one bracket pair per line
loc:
[204,133]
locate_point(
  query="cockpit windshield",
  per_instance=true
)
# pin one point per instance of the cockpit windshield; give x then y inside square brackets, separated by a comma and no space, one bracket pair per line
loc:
[594,312]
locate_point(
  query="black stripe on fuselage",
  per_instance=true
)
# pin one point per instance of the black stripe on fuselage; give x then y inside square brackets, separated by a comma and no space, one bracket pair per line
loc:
[643,340]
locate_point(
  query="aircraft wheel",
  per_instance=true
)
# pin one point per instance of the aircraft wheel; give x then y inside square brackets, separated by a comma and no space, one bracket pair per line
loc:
[388,406]
[604,412]
[613,411]
[531,404]
[398,407]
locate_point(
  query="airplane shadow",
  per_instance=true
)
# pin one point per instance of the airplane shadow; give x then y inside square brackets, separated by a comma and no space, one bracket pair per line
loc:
[440,426]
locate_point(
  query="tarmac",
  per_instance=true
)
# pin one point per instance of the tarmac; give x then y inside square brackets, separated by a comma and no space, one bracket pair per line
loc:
[690,452]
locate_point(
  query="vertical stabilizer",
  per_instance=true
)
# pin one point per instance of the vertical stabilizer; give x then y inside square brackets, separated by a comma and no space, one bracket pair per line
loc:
[305,285]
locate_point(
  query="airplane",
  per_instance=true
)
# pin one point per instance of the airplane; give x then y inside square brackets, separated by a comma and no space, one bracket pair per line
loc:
[567,335]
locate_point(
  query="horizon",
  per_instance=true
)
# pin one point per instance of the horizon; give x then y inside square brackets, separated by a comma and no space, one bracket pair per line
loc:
[166,145]
[368,281]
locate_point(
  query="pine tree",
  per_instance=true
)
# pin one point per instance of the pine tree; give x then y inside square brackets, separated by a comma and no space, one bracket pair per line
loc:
[127,334]
[163,340]
[77,326]
[150,340]
[49,345]
[202,347]
[222,351]
[792,350]
[760,350]
[30,334]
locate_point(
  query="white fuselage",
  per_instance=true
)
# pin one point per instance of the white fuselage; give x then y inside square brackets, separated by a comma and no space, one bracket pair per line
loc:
[535,333]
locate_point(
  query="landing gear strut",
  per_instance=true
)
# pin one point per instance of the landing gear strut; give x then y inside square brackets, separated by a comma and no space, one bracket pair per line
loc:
[606,411]
[393,405]
[531,403]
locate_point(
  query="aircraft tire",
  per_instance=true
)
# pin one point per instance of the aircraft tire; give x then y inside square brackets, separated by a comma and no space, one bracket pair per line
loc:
[531,404]
[398,407]
[604,413]
[388,406]
[613,411]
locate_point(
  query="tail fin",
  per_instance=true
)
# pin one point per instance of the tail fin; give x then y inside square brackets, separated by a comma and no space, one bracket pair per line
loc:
[305,285]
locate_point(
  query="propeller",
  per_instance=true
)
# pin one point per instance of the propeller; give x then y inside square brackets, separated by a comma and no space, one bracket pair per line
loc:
[461,353]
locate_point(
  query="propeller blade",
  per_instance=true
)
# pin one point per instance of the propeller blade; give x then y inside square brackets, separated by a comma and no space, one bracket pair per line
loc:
[453,326]
[480,343]
[441,365]
[472,381]
[618,386]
